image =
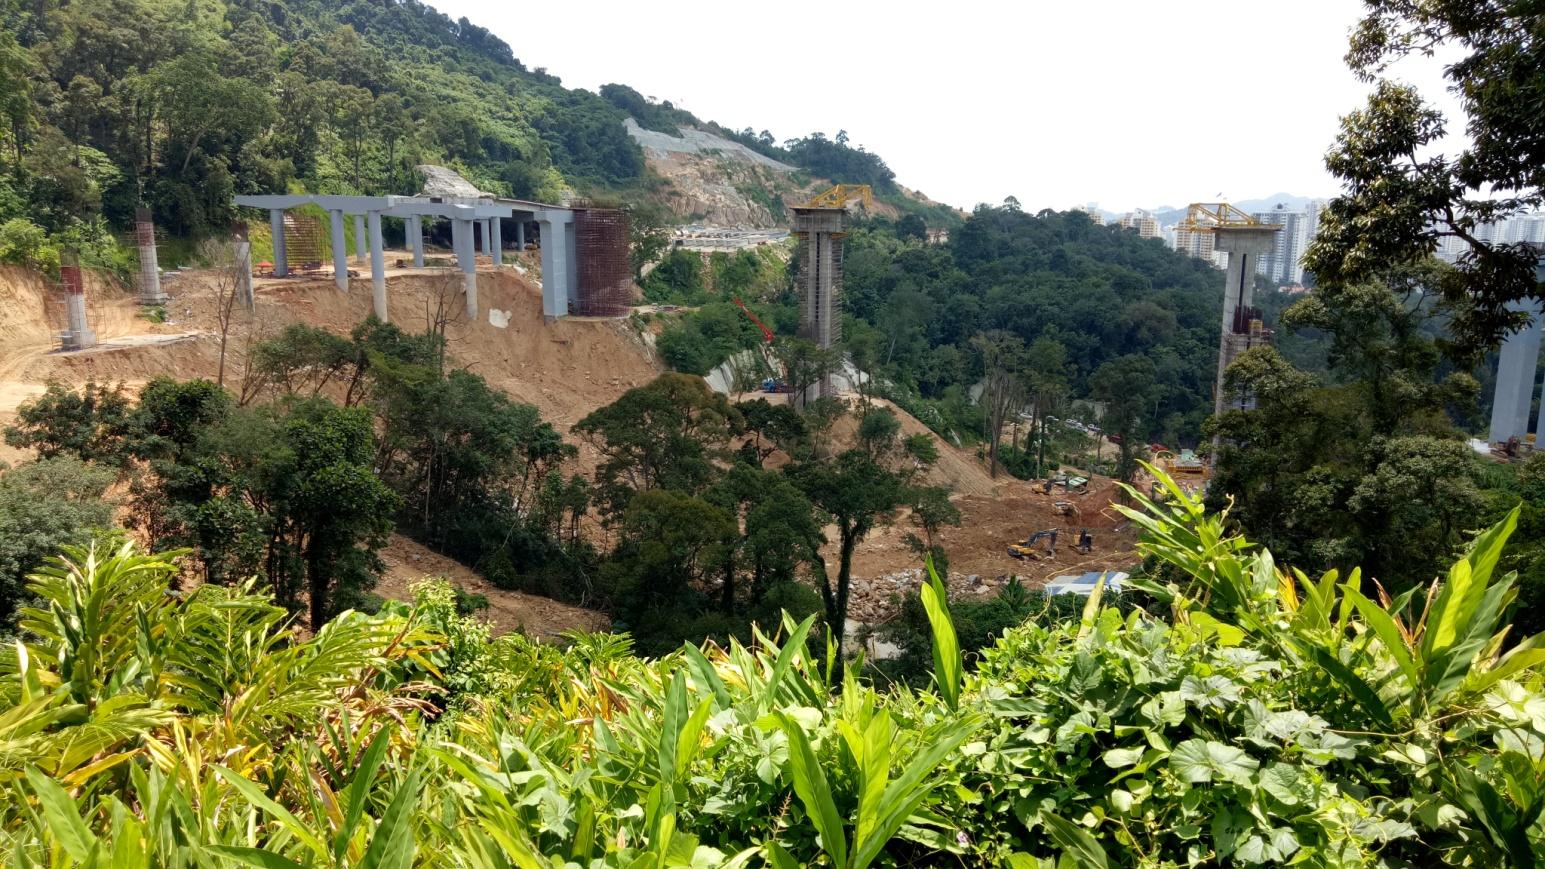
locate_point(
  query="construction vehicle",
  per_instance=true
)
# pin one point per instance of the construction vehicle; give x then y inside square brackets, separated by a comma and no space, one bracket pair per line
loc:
[1068,509]
[774,385]
[840,195]
[1085,541]
[1069,484]
[1185,464]
[1027,550]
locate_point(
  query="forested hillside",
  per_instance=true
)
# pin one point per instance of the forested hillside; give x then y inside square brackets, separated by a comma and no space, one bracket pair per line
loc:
[1082,311]
[181,104]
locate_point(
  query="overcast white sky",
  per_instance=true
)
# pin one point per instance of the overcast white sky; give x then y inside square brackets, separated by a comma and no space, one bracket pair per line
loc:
[1122,102]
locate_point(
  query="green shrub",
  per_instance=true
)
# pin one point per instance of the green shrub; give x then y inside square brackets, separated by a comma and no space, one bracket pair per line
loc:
[24,243]
[1262,717]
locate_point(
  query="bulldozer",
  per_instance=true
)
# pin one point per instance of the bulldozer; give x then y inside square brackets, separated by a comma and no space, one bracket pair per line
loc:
[1027,549]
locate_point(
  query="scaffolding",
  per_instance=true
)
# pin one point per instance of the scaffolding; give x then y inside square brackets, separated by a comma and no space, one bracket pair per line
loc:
[303,248]
[605,280]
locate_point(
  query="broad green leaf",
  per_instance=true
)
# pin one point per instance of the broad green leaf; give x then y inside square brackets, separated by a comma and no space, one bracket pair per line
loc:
[64,820]
[255,857]
[392,845]
[358,792]
[1075,842]
[1389,635]
[1198,761]
[1117,758]
[1462,591]
[947,664]
[792,647]
[256,797]
[779,858]
[1272,846]
[810,784]
[1285,782]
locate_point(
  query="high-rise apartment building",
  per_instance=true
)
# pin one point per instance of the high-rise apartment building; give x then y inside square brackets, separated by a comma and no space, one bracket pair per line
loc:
[1146,224]
[1285,262]
[1093,210]
[1200,245]
[1519,229]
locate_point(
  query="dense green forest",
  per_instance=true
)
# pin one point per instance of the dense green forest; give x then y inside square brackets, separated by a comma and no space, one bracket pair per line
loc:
[182,104]
[1090,313]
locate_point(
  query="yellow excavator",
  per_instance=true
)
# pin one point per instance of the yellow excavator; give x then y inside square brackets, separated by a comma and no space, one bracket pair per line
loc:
[1028,550]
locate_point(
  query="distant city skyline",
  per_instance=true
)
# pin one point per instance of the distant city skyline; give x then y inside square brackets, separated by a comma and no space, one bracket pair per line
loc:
[1130,106]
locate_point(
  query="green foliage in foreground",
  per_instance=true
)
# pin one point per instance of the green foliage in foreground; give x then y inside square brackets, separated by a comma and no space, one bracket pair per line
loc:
[1269,718]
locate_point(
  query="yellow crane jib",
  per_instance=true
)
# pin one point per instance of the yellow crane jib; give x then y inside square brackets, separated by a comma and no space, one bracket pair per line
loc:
[840,195]
[1208,216]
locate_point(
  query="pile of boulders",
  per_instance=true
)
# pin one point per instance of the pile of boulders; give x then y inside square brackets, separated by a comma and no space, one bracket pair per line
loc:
[877,599]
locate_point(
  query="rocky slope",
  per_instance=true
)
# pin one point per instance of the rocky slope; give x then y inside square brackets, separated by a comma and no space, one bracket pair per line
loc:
[717,181]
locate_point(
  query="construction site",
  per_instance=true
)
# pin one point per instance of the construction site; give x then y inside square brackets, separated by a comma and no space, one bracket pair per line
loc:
[538,298]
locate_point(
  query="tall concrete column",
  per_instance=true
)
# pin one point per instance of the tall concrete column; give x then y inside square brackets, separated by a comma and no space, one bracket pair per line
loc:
[1516,366]
[340,252]
[555,262]
[479,236]
[416,240]
[496,236]
[78,335]
[459,240]
[1244,246]
[276,228]
[463,233]
[149,270]
[819,283]
[361,246]
[241,255]
[377,267]
[520,233]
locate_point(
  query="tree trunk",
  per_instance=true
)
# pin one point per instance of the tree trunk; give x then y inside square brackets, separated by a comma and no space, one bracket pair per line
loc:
[1040,455]
[838,621]
[318,583]
[728,600]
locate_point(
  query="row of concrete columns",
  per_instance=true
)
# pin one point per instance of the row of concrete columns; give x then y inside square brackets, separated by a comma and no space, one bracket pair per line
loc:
[475,227]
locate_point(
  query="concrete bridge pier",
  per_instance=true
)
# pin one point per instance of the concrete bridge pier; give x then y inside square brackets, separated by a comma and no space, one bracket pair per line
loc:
[241,248]
[1244,246]
[496,242]
[463,233]
[361,246]
[149,270]
[340,252]
[557,229]
[377,267]
[1516,367]
[520,233]
[276,228]
[416,239]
